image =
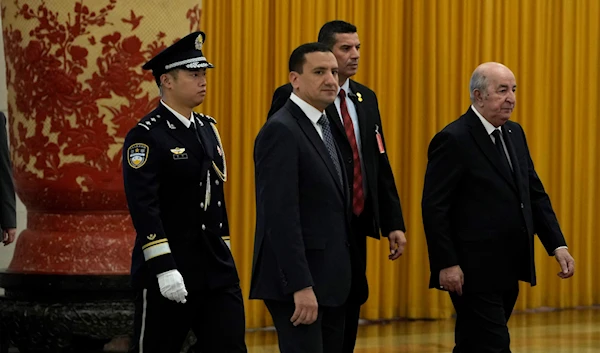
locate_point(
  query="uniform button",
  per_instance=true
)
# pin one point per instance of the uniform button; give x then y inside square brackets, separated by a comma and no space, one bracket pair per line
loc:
[220,225]
[522,206]
[201,204]
[216,182]
[203,227]
[219,203]
[200,183]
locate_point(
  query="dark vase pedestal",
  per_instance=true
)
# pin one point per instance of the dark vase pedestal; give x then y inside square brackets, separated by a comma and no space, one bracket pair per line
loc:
[63,313]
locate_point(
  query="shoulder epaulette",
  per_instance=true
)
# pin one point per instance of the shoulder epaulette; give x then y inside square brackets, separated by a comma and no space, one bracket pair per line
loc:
[206,118]
[150,121]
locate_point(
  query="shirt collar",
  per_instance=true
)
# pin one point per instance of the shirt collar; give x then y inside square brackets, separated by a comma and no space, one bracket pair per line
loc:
[311,112]
[486,124]
[345,86]
[185,121]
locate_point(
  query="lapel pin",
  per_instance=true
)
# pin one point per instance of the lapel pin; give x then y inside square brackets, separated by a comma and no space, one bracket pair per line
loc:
[360,99]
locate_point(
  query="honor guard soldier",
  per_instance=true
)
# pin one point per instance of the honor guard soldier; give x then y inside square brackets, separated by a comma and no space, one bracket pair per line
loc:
[174,168]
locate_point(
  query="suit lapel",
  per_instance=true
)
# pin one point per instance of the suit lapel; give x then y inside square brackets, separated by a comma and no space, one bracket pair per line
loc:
[313,136]
[182,133]
[335,119]
[514,159]
[484,141]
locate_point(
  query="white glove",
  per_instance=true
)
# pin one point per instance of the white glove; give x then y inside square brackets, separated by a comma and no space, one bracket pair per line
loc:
[172,286]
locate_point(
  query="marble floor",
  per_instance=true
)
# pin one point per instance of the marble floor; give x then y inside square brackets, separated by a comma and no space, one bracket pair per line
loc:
[563,331]
[552,331]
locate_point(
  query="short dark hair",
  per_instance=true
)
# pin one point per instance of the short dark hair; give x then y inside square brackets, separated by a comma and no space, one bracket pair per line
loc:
[298,57]
[330,29]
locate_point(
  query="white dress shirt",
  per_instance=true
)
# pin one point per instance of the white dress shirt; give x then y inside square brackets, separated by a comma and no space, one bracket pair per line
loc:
[311,112]
[354,117]
[351,111]
[185,121]
[490,129]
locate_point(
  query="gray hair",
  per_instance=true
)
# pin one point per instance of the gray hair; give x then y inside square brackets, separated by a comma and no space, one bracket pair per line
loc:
[478,82]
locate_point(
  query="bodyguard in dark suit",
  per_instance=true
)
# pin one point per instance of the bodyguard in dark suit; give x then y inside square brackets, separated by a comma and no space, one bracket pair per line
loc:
[357,129]
[302,261]
[482,204]
[8,213]
[174,168]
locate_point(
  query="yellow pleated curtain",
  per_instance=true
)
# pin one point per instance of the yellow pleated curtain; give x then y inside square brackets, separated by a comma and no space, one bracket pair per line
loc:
[418,57]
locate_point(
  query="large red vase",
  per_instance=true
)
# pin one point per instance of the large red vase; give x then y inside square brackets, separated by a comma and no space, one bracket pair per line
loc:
[75,87]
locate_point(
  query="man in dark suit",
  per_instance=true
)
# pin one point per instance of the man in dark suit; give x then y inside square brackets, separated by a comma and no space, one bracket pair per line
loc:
[302,257]
[357,130]
[482,204]
[8,213]
[174,169]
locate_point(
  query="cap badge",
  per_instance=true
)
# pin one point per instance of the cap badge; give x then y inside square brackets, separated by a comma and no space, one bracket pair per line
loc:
[199,42]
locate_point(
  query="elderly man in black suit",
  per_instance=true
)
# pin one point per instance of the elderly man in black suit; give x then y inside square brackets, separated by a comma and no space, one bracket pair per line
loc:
[482,204]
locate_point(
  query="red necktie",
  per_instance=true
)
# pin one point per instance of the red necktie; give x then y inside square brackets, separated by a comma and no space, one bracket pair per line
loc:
[358,196]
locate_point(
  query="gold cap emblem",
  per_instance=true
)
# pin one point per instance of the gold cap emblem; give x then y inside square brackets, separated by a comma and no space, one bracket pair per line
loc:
[199,42]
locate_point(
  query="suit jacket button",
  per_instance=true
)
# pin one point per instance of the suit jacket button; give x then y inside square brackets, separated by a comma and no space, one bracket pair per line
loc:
[203,227]
[219,203]
[201,204]
[220,225]
[200,183]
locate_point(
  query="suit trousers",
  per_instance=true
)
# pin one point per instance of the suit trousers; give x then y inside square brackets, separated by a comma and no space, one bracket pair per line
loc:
[326,335]
[216,317]
[361,226]
[481,320]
